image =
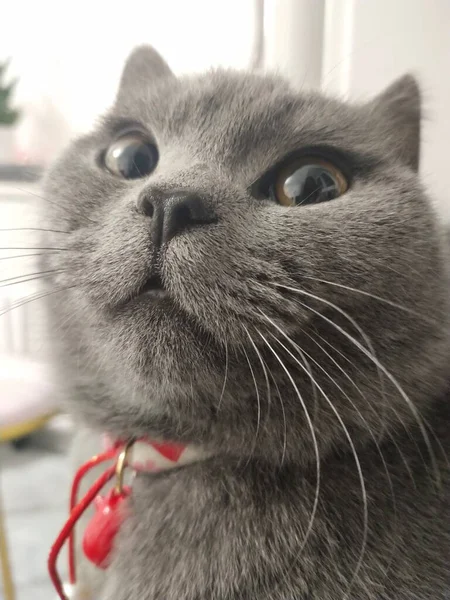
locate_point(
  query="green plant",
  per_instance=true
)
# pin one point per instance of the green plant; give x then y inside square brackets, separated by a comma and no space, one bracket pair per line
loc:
[8,116]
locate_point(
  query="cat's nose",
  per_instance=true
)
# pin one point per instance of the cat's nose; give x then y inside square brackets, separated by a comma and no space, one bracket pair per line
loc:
[175,213]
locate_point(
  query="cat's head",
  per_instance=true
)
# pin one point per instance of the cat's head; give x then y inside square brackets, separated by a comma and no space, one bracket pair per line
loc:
[243,259]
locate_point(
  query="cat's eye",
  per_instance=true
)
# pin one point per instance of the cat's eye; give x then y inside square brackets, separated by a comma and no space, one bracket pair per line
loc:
[308,180]
[131,156]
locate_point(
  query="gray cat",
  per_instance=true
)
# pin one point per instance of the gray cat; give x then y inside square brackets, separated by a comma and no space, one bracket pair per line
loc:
[260,272]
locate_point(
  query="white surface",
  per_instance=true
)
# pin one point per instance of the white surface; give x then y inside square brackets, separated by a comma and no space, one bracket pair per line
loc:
[27,390]
[293,31]
[337,46]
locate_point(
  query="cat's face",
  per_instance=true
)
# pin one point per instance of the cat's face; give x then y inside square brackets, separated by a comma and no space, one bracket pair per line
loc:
[186,269]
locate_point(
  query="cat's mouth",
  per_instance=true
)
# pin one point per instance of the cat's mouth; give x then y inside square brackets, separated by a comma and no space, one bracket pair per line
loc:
[153,288]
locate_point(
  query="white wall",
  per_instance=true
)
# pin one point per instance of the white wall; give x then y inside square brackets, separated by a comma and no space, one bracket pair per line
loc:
[73,52]
[371,42]
[293,32]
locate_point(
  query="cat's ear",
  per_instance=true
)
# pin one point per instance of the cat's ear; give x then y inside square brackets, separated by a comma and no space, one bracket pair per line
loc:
[397,110]
[144,66]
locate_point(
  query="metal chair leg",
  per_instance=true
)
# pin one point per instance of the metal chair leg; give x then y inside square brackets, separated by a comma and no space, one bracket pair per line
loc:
[8,586]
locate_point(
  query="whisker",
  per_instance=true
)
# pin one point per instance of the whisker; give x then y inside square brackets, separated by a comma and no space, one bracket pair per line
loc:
[418,418]
[267,370]
[258,403]
[26,275]
[27,255]
[309,195]
[361,372]
[18,303]
[72,213]
[374,359]
[225,377]
[411,254]
[438,442]
[366,424]
[374,296]
[34,248]
[32,298]
[42,275]
[34,229]
[336,308]
[355,455]
[341,354]
[313,384]
[361,332]
[343,392]
[263,365]
[335,362]
[283,456]
[138,170]
[313,437]
[358,389]
[397,272]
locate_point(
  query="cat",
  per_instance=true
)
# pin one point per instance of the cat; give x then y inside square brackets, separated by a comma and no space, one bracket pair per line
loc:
[259,271]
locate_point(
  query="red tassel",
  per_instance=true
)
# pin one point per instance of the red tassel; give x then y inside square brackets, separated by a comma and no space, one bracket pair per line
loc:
[98,539]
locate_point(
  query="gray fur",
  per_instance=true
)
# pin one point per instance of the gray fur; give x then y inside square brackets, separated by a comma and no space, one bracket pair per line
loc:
[233,527]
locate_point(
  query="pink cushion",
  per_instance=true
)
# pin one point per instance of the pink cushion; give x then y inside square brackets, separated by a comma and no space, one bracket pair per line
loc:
[27,391]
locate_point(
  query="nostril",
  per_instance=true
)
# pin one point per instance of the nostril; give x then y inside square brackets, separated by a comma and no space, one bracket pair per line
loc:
[145,206]
[184,211]
[183,216]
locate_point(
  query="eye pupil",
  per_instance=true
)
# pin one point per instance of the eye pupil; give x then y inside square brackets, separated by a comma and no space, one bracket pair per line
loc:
[311,184]
[131,157]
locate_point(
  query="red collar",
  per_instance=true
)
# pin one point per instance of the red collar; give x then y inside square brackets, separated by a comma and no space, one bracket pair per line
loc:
[152,456]
[142,455]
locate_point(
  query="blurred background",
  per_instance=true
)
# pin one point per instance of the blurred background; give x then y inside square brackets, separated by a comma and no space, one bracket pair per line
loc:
[59,67]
